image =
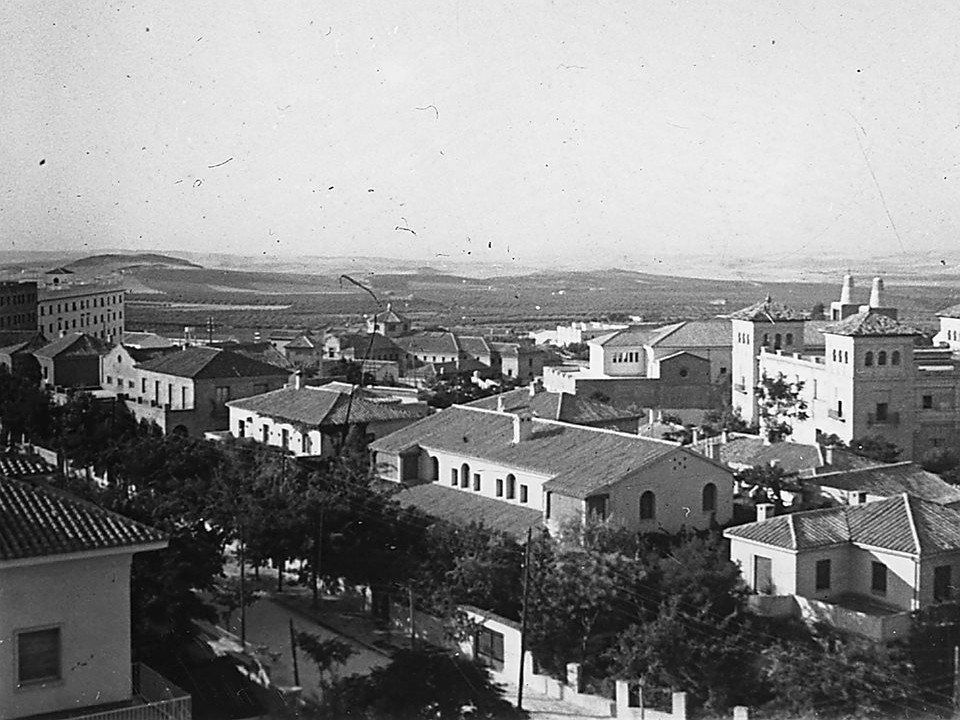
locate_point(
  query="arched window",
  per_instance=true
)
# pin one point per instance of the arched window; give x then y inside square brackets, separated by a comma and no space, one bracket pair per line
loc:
[777,341]
[868,358]
[709,497]
[789,338]
[882,357]
[648,506]
[511,487]
[464,475]
[434,469]
[895,357]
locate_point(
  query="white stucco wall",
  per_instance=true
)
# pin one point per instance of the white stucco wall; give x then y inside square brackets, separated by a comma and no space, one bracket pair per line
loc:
[902,576]
[783,565]
[89,600]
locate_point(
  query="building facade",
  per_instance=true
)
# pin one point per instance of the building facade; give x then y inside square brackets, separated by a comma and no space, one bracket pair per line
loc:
[18,307]
[92,308]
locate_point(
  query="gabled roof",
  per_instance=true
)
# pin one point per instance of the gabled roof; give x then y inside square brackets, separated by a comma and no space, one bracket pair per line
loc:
[751,451]
[302,342]
[767,311]
[629,337]
[263,351]
[364,342]
[569,408]
[202,363]
[389,316]
[26,346]
[60,271]
[19,466]
[145,340]
[579,460]
[323,406]
[692,334]
[951,312]
[36,522]
[897,524]
[474,345]
[74,345]
[868,323]
[463,508]
[430,343]
[893,479]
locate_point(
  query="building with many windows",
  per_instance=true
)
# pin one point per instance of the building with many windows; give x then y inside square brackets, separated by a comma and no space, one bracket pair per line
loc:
[869,377]
[96,309]
[487,464]
[18,308]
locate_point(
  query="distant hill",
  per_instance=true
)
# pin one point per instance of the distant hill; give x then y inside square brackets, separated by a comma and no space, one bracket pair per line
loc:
[123,261]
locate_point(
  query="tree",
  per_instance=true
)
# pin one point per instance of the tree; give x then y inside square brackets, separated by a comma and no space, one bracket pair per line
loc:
[327,655]
[875,447]
[780,403]
[427,684]
[767,483]
[939,460]
[817,311]
[25,408]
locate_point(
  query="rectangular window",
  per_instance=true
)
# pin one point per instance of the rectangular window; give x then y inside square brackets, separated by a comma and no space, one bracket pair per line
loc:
[241,429]
[223,394]
[878,578]
[490,646]
[597,507]
[307,444]
[927,402]
[476,482]
[763,575]
[265,434]
[453,477]
[285,439]
[823,575]
[523,493]
[549,502]
[882,412]
[499,487]
[38,656]
[942,583]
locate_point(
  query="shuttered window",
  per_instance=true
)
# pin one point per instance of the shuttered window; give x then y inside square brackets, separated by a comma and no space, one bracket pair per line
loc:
[38,656]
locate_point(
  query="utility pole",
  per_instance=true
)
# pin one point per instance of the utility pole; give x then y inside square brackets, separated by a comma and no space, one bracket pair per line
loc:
[413,624]
[293,651]
[210,329]
[523,616]
[956,680]
[243,595]
[317,540]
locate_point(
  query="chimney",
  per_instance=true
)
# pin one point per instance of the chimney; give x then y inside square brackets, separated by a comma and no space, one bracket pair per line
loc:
[297,380]
[764,511]
[522,426]
[846,294]
[876,293]
[500,403]
[695,436]
[724,436]
[714,451]
[828,455]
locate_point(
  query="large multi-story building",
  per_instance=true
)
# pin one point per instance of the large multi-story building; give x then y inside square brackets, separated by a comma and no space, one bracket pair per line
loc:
[18,307]
[96,309]
[870,377]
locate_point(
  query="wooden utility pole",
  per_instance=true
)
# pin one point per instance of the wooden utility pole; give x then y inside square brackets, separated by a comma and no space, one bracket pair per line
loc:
[243,595]
[523,615]
[293,651]
[956,680]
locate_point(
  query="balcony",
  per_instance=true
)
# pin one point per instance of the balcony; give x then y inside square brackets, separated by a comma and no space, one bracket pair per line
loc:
[890,418]
[154,698]
[836,415]
[740,388]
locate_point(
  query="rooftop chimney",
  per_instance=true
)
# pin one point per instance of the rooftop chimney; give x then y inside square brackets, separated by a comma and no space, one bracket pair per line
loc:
[724,436]
[714,449]
[695,433]
[499,403]
[522,426]
[297,380]
[846,294]
[764,511]
[828,455]
[876,293]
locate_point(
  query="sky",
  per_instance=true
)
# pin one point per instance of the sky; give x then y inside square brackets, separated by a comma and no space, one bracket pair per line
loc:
[535,132]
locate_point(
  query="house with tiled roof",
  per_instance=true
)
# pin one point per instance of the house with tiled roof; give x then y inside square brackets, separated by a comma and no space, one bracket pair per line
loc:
[574,409]
[869,376]
[949,333]
[389,323]
[18,358]
[72,361]
[186,390]
[65,642]
[884,480]
[862,567]
[522,361]
[314,420]
[304,351]
[563,471]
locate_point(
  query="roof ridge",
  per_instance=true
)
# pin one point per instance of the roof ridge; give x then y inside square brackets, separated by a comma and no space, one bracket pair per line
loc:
[608,431]
[793,531]
[912,522]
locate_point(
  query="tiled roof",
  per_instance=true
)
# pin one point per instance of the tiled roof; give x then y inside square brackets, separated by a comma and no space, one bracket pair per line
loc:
[372,342]
[630,337]
[569,408]
[262,351]
[474,345]
[389,315]
[694,333]
[60,271]
[463,507]
[17,466]
[27,346]
[768,311]
[73,344]
[752,451]
[897,524]
[302,342]
[320,406]
[36,521]
[813,333]
[579,460]
[506,349]
[430,343]
[893,479]
[206,362]
[146,340]
[870,324]
[951,312]
[143,354]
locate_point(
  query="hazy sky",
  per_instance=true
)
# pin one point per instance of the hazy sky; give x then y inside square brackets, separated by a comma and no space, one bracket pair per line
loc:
[504,129]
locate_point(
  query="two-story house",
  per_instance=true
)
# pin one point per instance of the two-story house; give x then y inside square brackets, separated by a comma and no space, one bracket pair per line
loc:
[480,463]
[72,361]
[65,611]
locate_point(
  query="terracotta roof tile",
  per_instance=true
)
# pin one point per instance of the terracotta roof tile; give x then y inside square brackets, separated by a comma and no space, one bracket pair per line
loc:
[464,507]
[767,311]
[894,479]
[73,344]
[36,522]
[205,363]
[320,406]
[870,324]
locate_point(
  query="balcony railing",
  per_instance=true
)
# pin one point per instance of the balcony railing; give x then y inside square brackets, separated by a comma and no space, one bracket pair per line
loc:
[891,418]
[154,698]
[836,415]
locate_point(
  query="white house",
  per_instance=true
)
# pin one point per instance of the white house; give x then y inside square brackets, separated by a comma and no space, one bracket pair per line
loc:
[65,610]
[559,470]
